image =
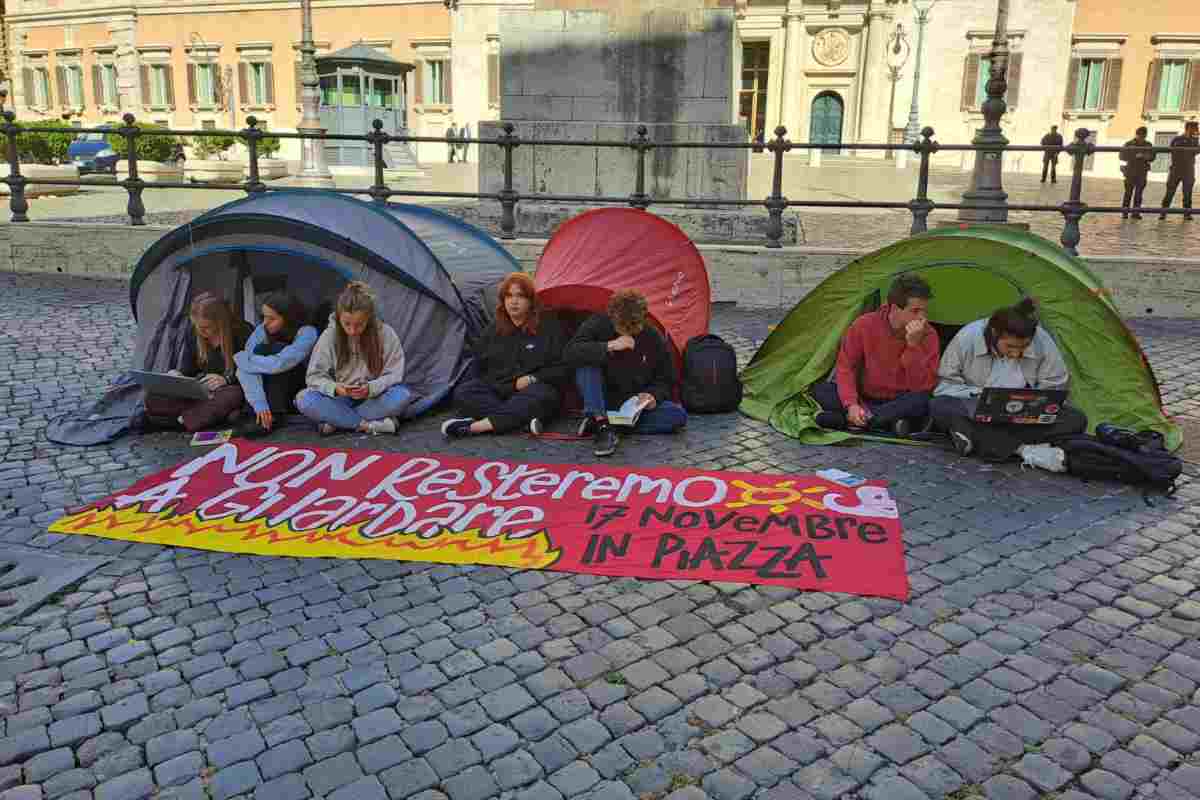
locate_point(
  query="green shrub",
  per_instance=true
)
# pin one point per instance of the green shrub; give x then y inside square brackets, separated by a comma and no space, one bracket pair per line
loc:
[209,146]
[44,148]
[149,148]
[268,146]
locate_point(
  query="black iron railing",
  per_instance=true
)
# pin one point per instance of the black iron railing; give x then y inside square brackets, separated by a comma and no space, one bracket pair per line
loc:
[1072,210]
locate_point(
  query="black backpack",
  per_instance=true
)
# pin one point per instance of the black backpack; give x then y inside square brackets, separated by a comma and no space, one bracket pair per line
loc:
[1139,459]
[710,376]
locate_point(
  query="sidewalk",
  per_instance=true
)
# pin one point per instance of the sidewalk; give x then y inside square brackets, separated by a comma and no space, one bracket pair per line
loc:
[1050,648]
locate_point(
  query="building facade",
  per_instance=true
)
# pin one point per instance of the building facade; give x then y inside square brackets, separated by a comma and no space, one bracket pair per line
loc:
[187,66]
[1133,65]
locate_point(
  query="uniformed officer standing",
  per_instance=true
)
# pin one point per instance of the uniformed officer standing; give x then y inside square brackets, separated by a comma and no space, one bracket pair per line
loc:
[1183,169]
[1137,155]
[1050,157]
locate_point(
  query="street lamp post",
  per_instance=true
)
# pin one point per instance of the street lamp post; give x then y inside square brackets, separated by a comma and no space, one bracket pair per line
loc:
[912,131]
[987,184]
[897,56]
[313,171]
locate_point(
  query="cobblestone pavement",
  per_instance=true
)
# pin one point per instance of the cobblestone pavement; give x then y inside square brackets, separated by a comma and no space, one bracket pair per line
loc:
[1049,649]
[846,179]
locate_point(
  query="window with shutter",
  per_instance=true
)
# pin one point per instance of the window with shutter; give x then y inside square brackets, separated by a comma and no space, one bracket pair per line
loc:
[419,84]
[1014,80]
[97,86]
[244,85]
[1112,84]
[1072,79]
[970,84]
[447,84]
[191,84]
[144,75]
[169,80]
[1173,75]
[494,79]
[268,83]
[1192,102]
[1153,79]
[60,86]
[27,81]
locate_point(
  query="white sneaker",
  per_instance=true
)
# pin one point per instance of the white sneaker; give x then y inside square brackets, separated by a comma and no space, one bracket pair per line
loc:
[378,426]
[536,427]
[1043,456]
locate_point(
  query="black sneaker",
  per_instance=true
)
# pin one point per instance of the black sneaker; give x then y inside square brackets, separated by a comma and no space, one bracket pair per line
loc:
[588,426]
[962,443]
[605,442]
[831,420]
[902,427]
[457,428]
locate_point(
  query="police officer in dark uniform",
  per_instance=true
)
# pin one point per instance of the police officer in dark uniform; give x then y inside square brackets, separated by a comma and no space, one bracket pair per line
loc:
[1137,155]
[1183,169]
[1050,157]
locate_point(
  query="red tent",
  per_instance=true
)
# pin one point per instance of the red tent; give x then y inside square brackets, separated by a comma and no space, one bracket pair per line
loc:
[600,251]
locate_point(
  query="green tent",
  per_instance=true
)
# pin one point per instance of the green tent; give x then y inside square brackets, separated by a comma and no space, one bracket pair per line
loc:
[973,271]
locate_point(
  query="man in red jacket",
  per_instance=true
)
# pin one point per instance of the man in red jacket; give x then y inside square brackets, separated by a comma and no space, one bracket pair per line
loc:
[886,367]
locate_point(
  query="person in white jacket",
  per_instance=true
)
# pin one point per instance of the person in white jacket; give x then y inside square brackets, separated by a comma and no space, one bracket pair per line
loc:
[356,371]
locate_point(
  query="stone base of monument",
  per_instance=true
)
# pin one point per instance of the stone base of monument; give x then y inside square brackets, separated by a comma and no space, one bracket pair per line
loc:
[536,220]
[963,224]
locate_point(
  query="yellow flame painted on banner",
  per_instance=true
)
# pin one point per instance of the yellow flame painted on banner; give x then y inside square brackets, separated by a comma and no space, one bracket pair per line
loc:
[778,497]
[257,537]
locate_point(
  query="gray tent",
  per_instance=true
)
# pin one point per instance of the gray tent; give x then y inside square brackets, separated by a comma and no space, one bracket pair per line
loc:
[311,243]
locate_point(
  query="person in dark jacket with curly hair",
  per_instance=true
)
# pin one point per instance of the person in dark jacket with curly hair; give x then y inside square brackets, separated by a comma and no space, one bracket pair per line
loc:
[519,368]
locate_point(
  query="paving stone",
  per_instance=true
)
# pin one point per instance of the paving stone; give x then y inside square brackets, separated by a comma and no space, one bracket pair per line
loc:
[42,766]
[1042,772]
[898,743]
[179,770]
[518,769]
[240,747]
[234,780]
[475,783]
[1006,787]
[1104,784]
[131,786]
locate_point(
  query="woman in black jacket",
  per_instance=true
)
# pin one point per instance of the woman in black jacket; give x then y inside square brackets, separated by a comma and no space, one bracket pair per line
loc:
[519,368]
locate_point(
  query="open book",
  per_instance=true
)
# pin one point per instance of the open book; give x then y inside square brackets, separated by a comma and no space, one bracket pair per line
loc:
[629,412]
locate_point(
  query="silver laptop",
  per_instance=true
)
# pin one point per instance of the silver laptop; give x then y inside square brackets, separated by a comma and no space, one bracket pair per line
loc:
[171,385]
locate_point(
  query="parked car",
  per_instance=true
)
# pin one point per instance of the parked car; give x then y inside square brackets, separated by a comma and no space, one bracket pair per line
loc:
[91,152]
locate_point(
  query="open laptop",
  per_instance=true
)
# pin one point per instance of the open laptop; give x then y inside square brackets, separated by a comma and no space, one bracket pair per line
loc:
[171,385]
[1019,406]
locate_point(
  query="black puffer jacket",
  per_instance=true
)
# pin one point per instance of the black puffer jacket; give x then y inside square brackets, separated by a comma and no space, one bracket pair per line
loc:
[501,359]
[648,367]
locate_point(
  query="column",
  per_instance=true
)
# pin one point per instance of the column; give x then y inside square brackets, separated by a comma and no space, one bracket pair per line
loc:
[792,89]
[873,125]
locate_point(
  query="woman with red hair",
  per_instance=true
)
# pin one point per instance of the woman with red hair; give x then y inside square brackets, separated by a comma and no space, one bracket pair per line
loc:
[518,367]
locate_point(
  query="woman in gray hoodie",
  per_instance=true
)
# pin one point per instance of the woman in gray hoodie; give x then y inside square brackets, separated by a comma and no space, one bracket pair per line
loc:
[356,371]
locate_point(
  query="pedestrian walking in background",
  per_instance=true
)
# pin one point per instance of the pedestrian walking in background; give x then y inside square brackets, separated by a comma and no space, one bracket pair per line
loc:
[1183,169]
[1050,157]
[451,135]
[464,133]
[1137,155]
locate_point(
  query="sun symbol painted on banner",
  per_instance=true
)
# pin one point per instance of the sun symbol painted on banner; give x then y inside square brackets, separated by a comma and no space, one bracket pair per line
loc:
[778,497]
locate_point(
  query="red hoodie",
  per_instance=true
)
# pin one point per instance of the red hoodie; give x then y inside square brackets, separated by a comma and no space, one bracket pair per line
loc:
[876,364]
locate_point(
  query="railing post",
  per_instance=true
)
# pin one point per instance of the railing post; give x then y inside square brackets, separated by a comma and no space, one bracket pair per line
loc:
[776,203]
[16,182]
[253,135]
[133,184]
[1073,210]
[639,198]
[507,197]
[921,204]
[377,138]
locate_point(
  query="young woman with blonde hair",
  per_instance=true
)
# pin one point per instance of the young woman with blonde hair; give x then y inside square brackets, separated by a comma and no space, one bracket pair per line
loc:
[356,371]
[219,336]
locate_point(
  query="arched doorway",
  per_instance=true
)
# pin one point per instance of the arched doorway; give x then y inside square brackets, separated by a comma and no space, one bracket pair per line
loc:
[825,120]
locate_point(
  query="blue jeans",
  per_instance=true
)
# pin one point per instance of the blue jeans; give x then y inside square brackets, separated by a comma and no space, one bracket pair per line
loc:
[345,413]
[666,417]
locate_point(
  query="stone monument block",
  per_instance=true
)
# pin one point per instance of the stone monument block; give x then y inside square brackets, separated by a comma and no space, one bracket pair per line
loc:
[575,74]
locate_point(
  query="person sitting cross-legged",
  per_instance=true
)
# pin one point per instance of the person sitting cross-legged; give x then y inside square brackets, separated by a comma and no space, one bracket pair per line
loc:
[1009,350]
[520,367]
[886,366]
[617,356]
[356,371]
[273,366]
